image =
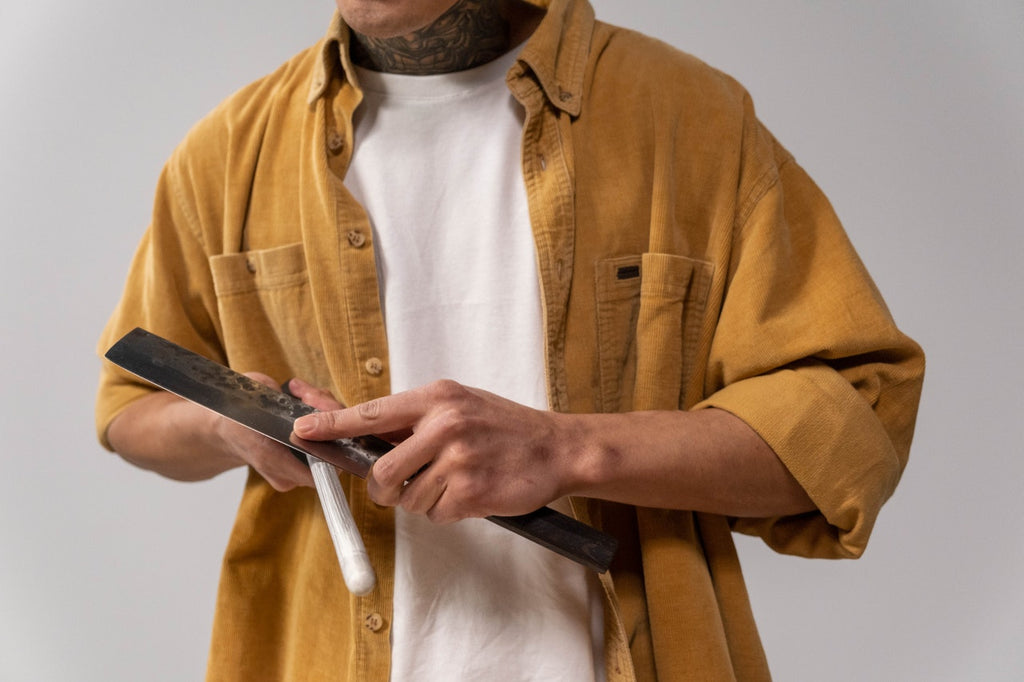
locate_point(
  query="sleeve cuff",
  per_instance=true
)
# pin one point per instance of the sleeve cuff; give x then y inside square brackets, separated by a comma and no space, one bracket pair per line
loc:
[832,442]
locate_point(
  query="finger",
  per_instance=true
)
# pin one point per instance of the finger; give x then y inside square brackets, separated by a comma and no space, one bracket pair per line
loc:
[319,398]
[282,470]
[419,456]
[262,378]
[272,460]
[408,461]
[390,474]
[422,494]
[394,413]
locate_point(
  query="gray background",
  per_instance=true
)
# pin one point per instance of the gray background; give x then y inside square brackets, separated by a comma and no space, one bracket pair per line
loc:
[912,120]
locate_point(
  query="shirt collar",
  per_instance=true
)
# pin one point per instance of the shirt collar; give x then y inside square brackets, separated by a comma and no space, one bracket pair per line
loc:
[556,53]
[333,50]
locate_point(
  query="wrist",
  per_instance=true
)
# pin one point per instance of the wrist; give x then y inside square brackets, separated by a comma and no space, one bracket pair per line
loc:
[587,454]
[218,437]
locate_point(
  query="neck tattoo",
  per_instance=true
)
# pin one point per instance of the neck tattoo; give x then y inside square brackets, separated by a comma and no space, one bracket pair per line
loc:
[470,33]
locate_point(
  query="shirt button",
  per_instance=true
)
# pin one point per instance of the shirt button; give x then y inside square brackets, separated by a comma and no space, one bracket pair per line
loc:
[374,366]
[356,238]
[335,142]
[374,622]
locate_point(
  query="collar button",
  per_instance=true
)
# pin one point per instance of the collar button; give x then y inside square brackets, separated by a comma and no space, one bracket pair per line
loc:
[335,142]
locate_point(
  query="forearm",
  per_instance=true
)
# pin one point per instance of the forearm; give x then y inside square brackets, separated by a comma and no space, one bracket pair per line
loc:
[172,437]
[708,461]
[487,455]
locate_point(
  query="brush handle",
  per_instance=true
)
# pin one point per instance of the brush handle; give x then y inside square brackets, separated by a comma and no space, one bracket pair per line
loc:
[348,543]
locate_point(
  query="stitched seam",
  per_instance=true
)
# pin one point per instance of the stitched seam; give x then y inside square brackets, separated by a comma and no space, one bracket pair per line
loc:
[767,181]
[191,218]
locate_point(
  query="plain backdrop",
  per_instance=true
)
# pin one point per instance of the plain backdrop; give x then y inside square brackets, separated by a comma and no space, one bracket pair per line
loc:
[909,115]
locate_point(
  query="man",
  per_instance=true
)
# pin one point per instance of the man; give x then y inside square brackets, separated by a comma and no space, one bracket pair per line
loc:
[555,262]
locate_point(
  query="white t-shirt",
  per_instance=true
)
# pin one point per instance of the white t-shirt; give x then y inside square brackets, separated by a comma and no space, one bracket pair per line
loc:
[437,164]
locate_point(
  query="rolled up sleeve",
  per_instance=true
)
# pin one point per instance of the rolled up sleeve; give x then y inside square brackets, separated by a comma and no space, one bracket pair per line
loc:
[808,355]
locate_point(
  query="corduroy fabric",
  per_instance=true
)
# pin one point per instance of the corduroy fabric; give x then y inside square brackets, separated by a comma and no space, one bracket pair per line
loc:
[685,259]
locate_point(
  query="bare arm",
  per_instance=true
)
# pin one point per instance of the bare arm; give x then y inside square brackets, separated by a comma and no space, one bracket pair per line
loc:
[472,453]
[180,440]
[708,460]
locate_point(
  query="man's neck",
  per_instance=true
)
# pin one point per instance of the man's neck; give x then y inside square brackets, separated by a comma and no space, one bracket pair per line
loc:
[470,33]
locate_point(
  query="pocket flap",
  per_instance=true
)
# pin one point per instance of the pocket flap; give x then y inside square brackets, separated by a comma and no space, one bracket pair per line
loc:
[239,273]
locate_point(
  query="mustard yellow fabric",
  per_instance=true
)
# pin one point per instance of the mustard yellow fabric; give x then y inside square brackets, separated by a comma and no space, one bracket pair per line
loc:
[686,261]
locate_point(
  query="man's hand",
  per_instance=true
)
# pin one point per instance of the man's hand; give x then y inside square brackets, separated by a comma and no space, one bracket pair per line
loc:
[460,452]
[183,441]
[464,452]
[320,398]
[273,461]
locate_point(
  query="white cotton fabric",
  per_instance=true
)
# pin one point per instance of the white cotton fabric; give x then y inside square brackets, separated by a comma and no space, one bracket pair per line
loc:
[437,164]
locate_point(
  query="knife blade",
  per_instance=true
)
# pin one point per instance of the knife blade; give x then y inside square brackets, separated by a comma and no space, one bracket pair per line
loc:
[272,413]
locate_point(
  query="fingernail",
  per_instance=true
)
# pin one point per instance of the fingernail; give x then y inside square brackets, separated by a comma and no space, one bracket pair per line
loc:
[305,424]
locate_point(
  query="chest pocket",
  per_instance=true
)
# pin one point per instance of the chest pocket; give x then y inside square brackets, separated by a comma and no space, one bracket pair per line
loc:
[267,313]
[673,301]
[650,313]
[618,304]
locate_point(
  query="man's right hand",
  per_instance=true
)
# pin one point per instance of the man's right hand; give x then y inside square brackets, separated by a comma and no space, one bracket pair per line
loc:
[181,440]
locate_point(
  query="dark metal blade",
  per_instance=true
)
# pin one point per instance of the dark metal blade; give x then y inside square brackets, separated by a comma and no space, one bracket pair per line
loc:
[237,397]
[272,413]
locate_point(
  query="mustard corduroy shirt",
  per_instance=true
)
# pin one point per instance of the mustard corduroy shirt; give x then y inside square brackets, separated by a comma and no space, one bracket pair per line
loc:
[686,261]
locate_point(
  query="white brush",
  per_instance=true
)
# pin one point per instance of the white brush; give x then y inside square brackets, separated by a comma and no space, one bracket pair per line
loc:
[348,543]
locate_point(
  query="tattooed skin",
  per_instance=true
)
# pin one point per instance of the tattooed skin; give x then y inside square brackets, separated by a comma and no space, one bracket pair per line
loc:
[470,33]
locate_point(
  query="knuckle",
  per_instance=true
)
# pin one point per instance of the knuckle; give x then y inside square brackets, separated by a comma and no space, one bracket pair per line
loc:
[412,501]
[447,390]
[329,420]
[385,497]
[474,494]
[373,490]
[452,424]
[440,515]
[281,485]
[460,455]
[371,409]
[265,460]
